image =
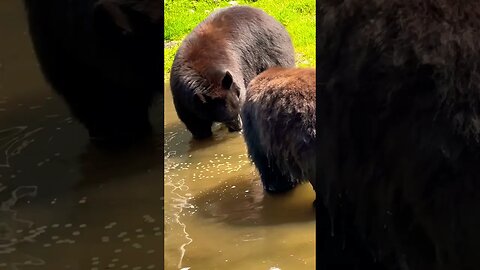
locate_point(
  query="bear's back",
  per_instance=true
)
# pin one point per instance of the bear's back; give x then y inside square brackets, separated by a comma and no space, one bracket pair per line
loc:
[241,38]
[232,20]
[288,98]
[284,81]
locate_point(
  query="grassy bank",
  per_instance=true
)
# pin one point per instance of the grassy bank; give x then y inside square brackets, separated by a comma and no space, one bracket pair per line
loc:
[298,16]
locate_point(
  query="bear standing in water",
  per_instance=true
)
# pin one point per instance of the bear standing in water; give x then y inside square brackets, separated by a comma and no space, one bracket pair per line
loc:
[218,59]
[104,57]
[399,133]
[279,127]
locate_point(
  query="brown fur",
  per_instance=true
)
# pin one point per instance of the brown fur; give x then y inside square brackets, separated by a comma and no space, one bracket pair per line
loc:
[399,132]
[279,126]
[232,45]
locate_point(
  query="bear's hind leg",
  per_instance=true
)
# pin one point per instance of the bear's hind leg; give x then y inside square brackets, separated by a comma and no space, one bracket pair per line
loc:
[272,178]
[274,181]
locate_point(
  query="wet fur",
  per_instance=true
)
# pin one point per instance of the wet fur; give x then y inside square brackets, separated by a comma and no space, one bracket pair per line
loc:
[241,40]
[399,152]
[279,127]
[104,58]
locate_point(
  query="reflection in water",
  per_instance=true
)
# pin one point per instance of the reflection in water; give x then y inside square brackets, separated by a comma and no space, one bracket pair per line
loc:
[14,230]
[12,141]
[217,215]
[179,202]
[59,197]
[243,202]
[17,194]
[64,203]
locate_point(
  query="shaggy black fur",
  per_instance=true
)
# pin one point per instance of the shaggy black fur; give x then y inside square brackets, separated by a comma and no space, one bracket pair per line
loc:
[105,59]
[279,127]
[399,151]
[215,63]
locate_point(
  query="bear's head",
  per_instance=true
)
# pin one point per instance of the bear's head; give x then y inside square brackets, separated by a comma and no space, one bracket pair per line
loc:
[219,97]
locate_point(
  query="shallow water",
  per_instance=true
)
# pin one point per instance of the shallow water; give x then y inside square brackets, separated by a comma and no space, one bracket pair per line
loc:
[217,215]
[65,204]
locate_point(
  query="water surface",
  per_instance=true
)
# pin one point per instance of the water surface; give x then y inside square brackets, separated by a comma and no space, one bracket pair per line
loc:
[217,215]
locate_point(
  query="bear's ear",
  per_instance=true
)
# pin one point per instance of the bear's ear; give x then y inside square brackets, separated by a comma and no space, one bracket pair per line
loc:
[227,80]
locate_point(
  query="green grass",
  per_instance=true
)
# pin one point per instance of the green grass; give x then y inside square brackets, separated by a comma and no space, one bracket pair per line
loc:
[298,16]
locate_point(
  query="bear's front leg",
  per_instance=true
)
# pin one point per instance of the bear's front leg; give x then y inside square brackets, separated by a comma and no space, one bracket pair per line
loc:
[200,129]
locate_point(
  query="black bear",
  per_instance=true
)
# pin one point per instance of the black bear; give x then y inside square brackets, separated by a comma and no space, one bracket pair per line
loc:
[104,57]
[218,59]
[278,119]
[399,129]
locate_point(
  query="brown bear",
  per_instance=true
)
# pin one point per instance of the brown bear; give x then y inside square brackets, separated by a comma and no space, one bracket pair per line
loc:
[104,57]
[218,59]
[279,126]
[399,133]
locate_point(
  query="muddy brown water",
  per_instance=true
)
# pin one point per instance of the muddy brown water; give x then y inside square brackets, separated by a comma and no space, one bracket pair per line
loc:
[217,215]
[65,204]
